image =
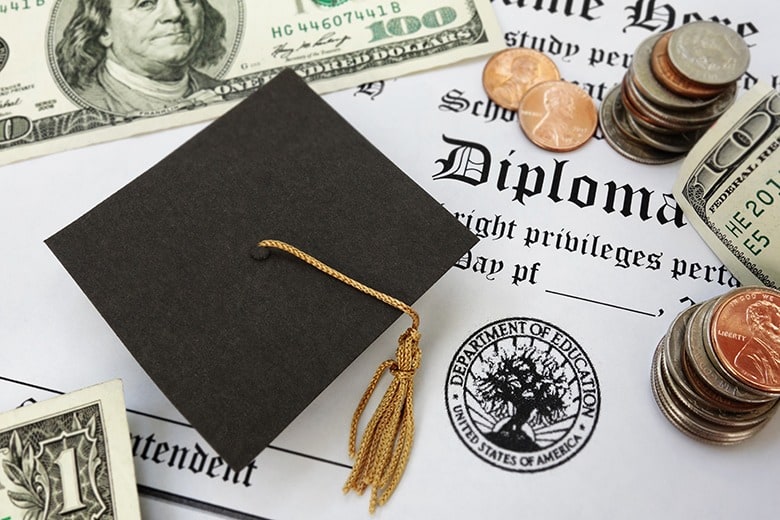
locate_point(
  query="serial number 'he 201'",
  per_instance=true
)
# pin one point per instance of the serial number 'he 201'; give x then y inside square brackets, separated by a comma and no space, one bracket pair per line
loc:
[755,207]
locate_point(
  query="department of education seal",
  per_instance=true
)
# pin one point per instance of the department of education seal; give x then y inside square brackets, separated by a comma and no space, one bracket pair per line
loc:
[522,395]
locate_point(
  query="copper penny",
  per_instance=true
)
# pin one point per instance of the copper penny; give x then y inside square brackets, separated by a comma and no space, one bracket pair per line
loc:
[558,116]
[509,74]
[745,335]
[671,78]
[695,390]
[697,352]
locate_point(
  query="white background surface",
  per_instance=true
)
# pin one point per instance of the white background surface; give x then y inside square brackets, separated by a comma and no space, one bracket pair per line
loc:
[636,465]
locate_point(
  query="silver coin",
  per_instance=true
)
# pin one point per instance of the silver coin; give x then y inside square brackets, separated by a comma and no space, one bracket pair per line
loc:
[683,120]
[693,426]
[644,110]
[702,363]
[647,84]
[680,142]
[620,117]
[709,53]
[644,121]
[626,146]
[707,404]
[706,412]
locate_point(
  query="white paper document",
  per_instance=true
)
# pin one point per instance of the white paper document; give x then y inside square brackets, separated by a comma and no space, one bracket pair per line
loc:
[584,260]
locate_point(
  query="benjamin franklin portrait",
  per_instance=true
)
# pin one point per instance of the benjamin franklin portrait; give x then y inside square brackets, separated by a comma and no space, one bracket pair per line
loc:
[140,56]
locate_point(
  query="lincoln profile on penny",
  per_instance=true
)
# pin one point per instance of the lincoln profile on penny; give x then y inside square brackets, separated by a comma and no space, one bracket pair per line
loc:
[558,124]
[759,358]
[126,56]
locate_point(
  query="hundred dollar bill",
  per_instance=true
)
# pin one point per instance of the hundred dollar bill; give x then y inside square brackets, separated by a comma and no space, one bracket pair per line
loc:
[68,458]
[76,72]
[729,187]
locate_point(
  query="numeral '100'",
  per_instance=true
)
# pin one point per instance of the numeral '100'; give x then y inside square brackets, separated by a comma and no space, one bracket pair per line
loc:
[404,25]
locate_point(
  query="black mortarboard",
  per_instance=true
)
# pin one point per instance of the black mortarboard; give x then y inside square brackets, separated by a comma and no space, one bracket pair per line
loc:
[242,346]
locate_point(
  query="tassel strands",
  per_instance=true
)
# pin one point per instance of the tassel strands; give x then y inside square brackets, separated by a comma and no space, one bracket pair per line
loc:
[387,440]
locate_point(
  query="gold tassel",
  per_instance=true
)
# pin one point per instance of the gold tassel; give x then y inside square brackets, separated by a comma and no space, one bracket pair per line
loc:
[387,440]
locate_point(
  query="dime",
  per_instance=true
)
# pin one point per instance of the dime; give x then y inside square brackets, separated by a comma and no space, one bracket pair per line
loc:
[669,76]
[622,143]
[745,336]
[558,116]
[509,74]
[645,81]
[708,53]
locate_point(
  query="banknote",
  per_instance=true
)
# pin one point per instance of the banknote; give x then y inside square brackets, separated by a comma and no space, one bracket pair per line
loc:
[729,187]
[68,457]
[76,72]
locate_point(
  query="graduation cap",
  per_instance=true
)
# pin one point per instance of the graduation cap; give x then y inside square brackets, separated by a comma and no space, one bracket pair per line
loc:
[241,347]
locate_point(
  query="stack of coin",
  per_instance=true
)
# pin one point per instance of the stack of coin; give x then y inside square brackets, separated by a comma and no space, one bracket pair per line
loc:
[678,84]
[716,373]
[555,115]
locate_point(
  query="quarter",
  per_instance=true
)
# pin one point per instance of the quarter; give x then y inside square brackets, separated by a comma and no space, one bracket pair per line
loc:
[708,53]
[671,78]
[644,79]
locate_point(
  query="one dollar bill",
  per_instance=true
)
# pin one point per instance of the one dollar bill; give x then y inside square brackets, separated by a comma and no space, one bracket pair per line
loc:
[729,187]
[68,458]
[76,72]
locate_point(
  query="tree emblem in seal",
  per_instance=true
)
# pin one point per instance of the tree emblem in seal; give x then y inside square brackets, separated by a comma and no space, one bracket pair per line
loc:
[522,395]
